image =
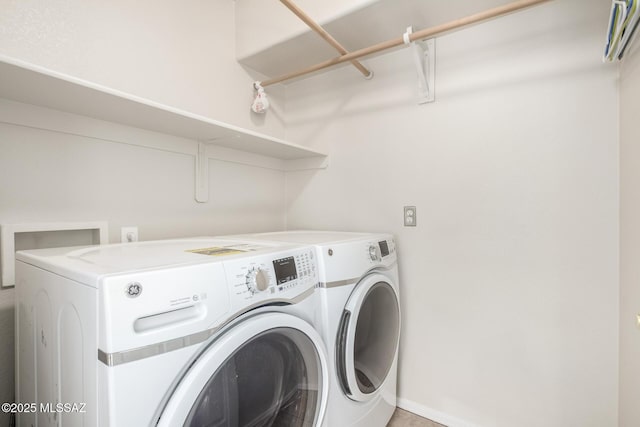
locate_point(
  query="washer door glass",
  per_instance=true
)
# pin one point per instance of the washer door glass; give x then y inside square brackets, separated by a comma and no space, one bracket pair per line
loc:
[273,378]
[264,383]
[368,337]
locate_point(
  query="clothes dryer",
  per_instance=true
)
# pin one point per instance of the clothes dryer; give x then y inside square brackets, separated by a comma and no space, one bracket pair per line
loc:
[187,332]
[359,321]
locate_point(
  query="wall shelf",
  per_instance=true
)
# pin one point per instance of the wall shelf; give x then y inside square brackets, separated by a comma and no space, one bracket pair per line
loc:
[32,84]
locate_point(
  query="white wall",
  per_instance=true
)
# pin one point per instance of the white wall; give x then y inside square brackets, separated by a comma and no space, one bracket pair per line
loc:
[177,53]
[61,176]
[180,54]
[629,239]
[510,281]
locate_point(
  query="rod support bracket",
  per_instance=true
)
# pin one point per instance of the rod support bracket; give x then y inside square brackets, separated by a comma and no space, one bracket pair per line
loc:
[424,54]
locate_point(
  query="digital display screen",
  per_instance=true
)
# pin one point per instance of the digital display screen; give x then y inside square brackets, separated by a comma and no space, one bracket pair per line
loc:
[384,248]
[285,269]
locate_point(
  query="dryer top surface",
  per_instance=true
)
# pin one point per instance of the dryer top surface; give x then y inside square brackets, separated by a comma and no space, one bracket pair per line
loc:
[314,237]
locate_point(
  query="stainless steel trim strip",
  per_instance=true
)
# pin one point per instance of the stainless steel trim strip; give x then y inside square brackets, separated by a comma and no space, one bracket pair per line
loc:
[126,356]
[348,282]
[338,283]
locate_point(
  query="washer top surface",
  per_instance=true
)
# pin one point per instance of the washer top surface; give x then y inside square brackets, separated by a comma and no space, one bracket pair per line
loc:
[87,264]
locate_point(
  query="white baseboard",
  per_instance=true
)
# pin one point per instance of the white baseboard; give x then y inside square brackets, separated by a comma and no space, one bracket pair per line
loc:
[432,414]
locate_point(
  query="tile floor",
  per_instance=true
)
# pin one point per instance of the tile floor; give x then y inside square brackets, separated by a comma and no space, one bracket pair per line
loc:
[402,418]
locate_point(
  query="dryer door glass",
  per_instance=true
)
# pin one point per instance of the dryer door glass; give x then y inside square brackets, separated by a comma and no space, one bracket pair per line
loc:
[271,380]
[368,338]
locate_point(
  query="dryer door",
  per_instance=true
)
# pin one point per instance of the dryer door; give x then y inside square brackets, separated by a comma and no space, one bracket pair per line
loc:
[368,337]
[269,370]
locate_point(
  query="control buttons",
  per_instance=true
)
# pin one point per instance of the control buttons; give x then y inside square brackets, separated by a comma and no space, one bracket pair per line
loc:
[257,280]
[305,265]
[287,286]
[133,289]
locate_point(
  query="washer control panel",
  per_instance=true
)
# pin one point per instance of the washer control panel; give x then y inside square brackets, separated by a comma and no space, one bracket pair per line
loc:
[279,275]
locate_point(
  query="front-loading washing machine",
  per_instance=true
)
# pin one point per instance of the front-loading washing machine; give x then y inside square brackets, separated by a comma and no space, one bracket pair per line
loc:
[359,321]
[193,332]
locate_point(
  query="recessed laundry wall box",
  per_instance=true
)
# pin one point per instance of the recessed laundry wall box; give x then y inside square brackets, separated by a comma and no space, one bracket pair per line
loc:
[16,237]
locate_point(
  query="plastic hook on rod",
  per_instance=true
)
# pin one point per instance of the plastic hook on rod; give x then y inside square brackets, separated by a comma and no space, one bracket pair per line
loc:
[406,37]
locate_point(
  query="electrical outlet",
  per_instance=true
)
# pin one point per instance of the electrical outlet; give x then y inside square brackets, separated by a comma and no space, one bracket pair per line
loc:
[410,216]
[129,234]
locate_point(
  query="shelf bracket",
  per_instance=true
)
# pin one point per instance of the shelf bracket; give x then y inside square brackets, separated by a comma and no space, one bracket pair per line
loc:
[202,173]
[424,54]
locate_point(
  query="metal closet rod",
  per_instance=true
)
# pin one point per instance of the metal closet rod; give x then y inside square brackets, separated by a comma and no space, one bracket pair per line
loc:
[324,34]
[418,35]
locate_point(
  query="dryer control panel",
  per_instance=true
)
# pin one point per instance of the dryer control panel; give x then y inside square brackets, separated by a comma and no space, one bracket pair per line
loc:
[351,258]
[279,275]
[380,250]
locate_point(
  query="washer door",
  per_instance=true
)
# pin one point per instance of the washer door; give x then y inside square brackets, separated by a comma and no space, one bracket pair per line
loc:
[368,337]
[269,370]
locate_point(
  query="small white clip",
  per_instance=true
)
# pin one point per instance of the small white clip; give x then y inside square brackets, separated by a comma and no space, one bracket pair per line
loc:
[407,35]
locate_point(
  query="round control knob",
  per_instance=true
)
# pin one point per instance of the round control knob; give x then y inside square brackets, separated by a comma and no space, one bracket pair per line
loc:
[262,280]
[374,253]
[257,280]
